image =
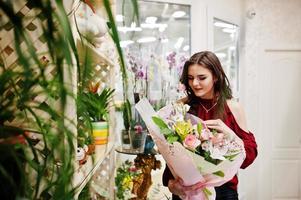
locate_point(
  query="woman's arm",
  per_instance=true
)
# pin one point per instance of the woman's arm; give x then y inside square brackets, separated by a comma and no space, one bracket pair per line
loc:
[239,114]
[243,132]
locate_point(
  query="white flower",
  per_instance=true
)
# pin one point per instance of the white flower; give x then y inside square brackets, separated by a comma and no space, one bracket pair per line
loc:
[218,152]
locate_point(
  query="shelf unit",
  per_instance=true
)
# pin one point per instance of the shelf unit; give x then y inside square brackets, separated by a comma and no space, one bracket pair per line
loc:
[84,173]
[105,73]
[96,55]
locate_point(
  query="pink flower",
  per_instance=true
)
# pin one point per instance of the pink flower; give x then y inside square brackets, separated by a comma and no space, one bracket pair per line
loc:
[218,138]
[132,169]
[206,134]
[191,141]
[138,128]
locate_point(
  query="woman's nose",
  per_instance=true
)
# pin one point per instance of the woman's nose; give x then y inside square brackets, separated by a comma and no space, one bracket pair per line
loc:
[195,81]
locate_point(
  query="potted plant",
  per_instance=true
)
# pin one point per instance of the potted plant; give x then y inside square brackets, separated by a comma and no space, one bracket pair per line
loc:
[45,171]
[96,105]
[34,100]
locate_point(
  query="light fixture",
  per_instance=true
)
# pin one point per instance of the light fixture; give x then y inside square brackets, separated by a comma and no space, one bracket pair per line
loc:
[232,48]
[165,40]
[125,43]
[151,20]
[119,18]
[146,39]
[228,30]
[125,29]
[179,43]
[152,26]
[186,48]
[178,14]
[162,28]
[223,25]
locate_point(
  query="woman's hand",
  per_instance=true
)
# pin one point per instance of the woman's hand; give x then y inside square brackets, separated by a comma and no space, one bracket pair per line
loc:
[220,127]
[176,186]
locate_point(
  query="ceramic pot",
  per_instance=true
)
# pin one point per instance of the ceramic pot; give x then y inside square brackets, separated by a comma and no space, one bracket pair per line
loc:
[100,132]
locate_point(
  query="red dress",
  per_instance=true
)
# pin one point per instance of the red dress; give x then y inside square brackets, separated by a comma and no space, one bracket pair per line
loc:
[247,137]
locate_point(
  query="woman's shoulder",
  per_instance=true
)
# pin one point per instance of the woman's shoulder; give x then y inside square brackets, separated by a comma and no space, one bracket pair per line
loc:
[238,112]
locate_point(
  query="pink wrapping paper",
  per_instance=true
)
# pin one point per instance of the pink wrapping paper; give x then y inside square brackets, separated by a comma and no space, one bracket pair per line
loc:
[184,163]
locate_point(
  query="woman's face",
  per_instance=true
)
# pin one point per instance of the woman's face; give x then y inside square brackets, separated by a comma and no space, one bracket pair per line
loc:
[201,81]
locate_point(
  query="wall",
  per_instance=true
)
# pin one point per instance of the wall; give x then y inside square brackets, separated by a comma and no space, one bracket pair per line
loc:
[271,52]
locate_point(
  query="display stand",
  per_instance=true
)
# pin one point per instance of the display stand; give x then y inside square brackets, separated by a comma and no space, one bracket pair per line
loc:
[146,163]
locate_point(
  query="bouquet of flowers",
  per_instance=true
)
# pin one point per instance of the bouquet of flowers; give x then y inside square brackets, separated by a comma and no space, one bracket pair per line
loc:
[192,151]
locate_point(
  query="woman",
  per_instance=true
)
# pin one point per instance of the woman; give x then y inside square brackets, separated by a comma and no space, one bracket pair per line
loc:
[210,97]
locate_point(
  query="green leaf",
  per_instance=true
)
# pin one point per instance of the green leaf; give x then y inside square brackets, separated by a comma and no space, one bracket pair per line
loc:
[219,173]
[199,128]
[231,157]
[207,192]
[167,131]
[172,138]
[160,123]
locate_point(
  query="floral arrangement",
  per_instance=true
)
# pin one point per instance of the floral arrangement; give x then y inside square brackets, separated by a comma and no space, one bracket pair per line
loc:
[124,179]
[194,153]
[213,146]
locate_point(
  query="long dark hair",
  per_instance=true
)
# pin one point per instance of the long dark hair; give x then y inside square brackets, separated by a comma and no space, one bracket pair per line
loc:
[222,90]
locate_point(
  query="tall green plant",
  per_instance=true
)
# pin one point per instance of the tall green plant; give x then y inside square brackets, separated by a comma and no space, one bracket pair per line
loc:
[52,164]
[50,168]
[127,116]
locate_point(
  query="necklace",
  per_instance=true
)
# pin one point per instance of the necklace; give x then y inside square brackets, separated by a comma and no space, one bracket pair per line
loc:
[207,110]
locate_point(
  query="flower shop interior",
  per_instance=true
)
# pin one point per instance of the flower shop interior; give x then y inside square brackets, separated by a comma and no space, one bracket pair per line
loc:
[72,71]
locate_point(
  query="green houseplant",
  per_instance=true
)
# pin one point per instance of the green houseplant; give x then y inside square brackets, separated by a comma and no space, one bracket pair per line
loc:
[95,107]
[43,172]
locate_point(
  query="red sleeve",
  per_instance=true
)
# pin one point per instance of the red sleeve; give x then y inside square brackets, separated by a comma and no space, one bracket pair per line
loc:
[250,146]
[247,138]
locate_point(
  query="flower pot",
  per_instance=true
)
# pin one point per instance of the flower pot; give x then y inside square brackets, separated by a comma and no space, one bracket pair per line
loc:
[137,139]
[100,132]
[125,139]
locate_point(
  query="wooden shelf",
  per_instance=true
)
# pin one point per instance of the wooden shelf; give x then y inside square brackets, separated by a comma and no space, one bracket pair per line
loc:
[96,56]
[83,173]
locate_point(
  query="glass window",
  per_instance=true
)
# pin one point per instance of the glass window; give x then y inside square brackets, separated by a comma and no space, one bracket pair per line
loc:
[155,49]
[226,48]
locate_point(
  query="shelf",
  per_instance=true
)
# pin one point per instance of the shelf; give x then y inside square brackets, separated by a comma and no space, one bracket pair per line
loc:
[84,172]
[84,48]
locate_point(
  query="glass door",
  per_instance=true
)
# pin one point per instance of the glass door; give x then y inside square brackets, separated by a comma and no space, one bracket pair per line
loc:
[226,37]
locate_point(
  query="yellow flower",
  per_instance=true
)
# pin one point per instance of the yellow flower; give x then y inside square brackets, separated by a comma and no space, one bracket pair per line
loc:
[126,183]
[183,128]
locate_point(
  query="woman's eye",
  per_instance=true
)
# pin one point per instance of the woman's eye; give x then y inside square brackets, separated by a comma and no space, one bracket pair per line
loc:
[190,78]
[201,78]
